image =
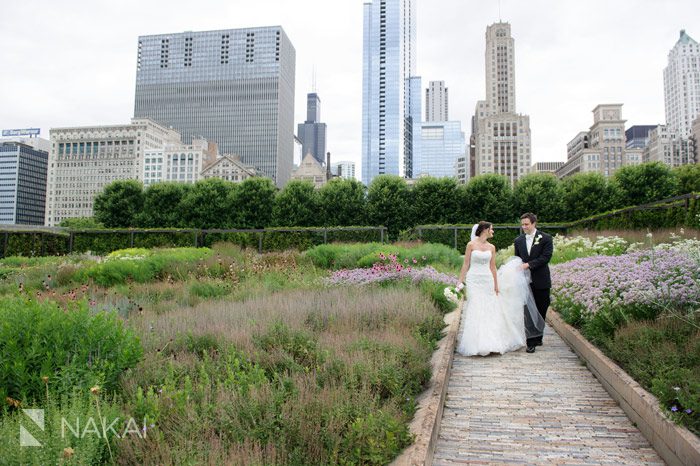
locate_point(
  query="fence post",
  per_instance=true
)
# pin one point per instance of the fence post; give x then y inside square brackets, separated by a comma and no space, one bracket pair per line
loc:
[41,248]
[70,242]
[131,238]
[4,246]
[455,237]
[420,233]
[196,238]
[260,238]
[325,236]
[381,230]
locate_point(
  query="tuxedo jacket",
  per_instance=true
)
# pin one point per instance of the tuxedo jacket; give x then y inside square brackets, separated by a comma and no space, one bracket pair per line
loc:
[539,257]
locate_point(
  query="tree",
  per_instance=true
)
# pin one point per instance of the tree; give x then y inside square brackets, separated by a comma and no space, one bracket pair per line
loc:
[162,205]
[648,182]
[205,205]
[487,197]
[688,178]
[538,193]
[389,204]
[297,205]
[119,204]
[343,202]
[253,201]
[586,194]
[435,201]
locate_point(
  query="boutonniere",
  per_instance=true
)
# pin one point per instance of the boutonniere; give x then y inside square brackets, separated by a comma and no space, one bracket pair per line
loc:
[537,240]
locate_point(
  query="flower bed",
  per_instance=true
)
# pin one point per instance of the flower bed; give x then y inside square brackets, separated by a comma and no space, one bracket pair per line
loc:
[641,309]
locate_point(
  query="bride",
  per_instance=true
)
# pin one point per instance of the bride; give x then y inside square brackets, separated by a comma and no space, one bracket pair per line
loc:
[494,318]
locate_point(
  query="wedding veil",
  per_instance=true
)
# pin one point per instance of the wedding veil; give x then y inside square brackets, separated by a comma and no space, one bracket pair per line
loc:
[514,288]
[473,235]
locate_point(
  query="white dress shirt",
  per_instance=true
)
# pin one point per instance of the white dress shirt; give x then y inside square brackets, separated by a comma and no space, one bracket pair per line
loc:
[529,239]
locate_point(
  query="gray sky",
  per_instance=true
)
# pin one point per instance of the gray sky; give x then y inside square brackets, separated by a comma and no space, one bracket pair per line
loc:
[68,63]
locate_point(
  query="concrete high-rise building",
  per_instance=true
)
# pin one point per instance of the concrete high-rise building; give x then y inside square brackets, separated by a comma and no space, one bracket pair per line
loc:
[462,169]
[682,86]
[182,163]
[83,160]
[312,133]
[637,136]
[695,139]
[234,87]
[391,91]
[669,148]
[442,143]
[502,136]
[546,167]
[436,102]
[602,148]
[344,169]
[23,172]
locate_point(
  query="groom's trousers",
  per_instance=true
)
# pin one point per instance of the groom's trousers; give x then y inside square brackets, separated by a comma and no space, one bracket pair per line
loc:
[542,301]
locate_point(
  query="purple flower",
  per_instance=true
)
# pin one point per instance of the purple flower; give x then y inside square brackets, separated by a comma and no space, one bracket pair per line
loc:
[674,408]
[688,411]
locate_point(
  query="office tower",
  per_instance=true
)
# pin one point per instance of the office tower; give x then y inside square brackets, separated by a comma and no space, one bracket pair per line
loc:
[546,167]
[462,169]
[682,86]
[234,87]
[344,169]
[668,147]
[442,143]
[23,172]
[391,91]
[502,141]
[436,102]
[312,133]
[83,160]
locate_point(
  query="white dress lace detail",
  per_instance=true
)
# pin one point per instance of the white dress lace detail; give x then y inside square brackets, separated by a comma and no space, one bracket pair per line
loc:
[490,323]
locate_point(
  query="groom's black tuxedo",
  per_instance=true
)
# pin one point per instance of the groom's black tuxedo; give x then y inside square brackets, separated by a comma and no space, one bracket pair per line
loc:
[538,258]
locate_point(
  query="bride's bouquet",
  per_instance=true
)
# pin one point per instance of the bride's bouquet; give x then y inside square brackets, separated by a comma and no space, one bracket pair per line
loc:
[454,293]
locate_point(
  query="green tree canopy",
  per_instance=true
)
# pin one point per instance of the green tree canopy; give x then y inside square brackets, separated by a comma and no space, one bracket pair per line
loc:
[586,194]
[119,204]
[688,178]
[647,182]
[253,201]
[297,205]
[205,204]
[487,197]
[389,204]
[162,205]
[435,201]
[343,202]
[538,193]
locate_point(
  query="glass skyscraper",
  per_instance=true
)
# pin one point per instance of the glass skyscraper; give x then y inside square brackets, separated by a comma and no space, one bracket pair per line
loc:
[234,87]
[391,93]
[442,143]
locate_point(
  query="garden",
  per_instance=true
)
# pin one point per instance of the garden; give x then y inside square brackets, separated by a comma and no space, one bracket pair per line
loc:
[219,355]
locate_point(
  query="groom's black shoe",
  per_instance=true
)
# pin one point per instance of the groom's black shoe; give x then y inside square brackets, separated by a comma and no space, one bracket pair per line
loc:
[539,343]
[530,349]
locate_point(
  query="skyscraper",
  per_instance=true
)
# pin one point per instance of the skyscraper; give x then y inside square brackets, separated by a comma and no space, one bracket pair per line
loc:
[682,86]
[23,171]
[234,87]
[502,140]
[436,102]
[391,91]
[312,133]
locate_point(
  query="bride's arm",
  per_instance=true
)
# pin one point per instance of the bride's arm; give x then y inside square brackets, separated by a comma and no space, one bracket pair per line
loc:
[493,268]
[465,265]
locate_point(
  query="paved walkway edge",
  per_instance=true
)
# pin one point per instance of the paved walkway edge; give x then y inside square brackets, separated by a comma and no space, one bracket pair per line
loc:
[675,444]
[426,422]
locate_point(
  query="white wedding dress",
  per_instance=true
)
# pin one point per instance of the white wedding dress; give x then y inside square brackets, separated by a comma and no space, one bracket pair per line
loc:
[491,323]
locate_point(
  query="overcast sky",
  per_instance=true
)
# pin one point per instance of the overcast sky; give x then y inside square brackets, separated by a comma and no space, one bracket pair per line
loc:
[68,63]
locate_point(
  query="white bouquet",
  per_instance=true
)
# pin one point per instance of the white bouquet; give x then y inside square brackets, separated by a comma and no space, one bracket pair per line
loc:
[454,293]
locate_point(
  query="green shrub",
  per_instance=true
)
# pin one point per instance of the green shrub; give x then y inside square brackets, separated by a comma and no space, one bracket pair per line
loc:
[208,290]
[73,348]
[375,439]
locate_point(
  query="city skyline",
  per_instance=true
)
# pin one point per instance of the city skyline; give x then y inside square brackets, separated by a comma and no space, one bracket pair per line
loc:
[80,69]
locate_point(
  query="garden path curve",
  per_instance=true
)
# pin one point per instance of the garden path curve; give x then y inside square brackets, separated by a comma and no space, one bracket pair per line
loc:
[541,408]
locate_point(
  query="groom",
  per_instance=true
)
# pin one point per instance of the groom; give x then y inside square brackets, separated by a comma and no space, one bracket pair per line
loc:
[535,248]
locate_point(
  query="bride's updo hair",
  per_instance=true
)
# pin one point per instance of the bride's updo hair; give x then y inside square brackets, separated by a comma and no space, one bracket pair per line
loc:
[481,227]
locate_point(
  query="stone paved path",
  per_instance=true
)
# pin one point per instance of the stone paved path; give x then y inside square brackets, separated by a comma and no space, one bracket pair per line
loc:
[541,408]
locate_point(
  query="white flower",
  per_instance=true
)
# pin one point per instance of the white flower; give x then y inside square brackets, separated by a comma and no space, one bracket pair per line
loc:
[537,240]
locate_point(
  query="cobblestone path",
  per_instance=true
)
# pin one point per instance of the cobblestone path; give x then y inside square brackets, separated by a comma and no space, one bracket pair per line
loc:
[541,408]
